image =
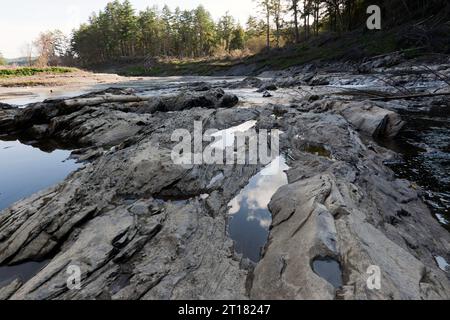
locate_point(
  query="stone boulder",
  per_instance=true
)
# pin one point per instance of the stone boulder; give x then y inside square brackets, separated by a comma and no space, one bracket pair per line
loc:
[370,119]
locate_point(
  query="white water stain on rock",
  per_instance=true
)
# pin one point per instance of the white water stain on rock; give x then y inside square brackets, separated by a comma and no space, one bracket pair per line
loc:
[25,170]
[250,216]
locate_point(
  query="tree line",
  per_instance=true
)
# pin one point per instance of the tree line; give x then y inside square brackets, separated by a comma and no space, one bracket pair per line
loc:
[119,31]
[297,20]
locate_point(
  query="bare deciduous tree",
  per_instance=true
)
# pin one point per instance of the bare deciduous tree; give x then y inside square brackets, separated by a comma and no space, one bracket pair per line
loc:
[45,47]
[51,47]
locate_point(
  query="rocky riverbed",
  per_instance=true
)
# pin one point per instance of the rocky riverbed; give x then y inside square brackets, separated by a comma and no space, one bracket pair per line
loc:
[141,227]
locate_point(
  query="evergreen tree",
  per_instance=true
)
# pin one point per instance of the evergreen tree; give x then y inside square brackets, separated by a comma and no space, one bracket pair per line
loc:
[266,7]
[277,11]
[149,34]
[254,28]
[204,32]
[225,29]
[294,7]
[238,39]
[169,30]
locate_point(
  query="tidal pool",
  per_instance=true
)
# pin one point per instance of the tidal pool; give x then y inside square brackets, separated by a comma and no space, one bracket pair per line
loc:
[25,170]
[250,218]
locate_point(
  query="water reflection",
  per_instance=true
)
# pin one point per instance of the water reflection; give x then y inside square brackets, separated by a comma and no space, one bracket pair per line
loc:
[25,170]
[23,272]
[424,144]
[329,269]
[251,218]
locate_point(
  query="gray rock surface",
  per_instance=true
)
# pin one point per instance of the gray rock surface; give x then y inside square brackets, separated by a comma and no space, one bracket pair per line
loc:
[371,119]
[342,203]
[140,227]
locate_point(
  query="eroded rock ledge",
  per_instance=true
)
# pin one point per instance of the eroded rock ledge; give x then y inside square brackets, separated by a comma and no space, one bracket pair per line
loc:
[114,219]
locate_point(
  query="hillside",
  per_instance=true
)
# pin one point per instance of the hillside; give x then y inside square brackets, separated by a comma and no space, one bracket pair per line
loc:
[412,39]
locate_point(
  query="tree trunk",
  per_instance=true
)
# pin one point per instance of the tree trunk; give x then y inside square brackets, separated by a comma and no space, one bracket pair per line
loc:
[308,30]
[297,32]
[268,29]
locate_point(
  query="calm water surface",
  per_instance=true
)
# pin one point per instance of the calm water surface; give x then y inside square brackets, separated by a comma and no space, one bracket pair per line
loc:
[25,170]
[250,216]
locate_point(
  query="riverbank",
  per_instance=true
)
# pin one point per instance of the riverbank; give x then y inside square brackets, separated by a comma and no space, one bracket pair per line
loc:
[141,227]
[40,86]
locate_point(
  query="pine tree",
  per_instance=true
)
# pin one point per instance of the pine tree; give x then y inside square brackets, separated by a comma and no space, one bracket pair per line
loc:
[294,7]
[277,10]
[167,29]
[266,7]
[238,39]
[225,29]
[204,31]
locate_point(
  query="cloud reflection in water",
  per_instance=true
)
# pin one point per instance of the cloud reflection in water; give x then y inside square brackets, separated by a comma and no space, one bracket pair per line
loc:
[251,218]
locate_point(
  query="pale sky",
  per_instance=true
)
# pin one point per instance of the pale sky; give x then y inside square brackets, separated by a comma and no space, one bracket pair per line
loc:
[21,21]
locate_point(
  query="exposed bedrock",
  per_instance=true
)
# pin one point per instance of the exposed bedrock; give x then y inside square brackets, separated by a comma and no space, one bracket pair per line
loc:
[343,204]
[104,118]
[109,218]
[141,227]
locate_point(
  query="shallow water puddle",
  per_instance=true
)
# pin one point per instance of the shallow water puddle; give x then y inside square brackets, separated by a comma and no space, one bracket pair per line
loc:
[329,269]
[316,149]
[24,272]
[25,170]
[250,216]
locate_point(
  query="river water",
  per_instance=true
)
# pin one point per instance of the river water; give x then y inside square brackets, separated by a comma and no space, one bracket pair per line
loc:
[424,146]
[25,170]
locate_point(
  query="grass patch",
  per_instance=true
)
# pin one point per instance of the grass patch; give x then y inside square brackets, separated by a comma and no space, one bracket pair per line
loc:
[178,67]
[29,71]
[30,83]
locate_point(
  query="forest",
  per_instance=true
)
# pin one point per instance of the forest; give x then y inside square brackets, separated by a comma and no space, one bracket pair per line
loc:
[119,31]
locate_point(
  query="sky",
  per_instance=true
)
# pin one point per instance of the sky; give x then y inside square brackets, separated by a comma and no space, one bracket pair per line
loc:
[21,21]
